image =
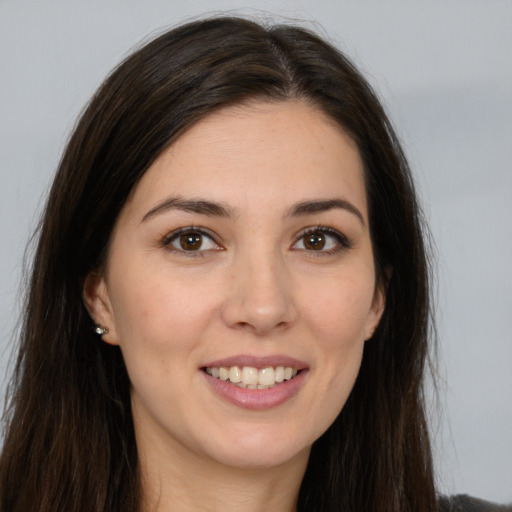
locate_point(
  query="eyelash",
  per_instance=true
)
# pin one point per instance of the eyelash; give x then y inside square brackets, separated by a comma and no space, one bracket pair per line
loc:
[342,242]
[174,235]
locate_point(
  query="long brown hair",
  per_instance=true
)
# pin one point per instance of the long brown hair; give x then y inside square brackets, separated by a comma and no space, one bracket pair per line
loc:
[69,442]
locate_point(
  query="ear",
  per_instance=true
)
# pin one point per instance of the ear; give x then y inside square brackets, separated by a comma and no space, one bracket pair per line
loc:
[99,306]
[377,309]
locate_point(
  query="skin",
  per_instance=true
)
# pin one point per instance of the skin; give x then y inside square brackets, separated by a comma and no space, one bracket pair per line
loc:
[254,287]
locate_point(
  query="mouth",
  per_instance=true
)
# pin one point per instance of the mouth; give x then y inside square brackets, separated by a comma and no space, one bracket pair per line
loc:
[250,377]
[256,382]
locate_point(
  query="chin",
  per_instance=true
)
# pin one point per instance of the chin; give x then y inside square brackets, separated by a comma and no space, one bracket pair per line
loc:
[261,448]
[263,459]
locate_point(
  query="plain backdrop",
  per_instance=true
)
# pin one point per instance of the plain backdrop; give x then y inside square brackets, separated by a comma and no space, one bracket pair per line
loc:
[444,71]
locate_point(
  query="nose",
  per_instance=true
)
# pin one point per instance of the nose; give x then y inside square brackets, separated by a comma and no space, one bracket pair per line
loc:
[260,298]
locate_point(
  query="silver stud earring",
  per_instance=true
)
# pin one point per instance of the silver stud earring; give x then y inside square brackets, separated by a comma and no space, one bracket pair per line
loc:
[100,330]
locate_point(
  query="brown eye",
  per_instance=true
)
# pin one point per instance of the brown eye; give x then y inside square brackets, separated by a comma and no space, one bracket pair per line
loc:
[191,241]
[322,240]
[314,241]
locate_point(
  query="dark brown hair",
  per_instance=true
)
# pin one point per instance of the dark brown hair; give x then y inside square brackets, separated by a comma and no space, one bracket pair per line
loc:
[69,443]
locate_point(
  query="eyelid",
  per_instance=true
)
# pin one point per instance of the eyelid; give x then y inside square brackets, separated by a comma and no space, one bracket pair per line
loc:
[167,240]
[343,242]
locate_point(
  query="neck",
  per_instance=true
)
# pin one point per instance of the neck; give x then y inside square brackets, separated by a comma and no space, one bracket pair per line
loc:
[193,483]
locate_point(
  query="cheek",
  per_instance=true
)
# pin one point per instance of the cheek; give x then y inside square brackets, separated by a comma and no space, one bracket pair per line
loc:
[159,316]
[161,325]
[341,329]
[339,309]
[337,320]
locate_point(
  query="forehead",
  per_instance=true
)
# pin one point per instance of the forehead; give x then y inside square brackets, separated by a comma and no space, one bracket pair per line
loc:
[264,153]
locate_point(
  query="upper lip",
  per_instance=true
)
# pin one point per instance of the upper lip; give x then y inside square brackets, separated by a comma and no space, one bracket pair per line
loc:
[257,361]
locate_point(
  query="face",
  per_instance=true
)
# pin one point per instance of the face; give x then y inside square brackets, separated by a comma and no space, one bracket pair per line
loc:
[244,255]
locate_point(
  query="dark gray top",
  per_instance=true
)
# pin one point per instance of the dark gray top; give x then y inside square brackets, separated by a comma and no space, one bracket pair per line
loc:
[465,503]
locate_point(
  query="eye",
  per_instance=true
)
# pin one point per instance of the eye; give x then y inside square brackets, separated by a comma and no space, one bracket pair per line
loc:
[322,239]
[190,240]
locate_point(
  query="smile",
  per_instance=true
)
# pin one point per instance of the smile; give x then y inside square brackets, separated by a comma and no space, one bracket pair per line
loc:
[249,377]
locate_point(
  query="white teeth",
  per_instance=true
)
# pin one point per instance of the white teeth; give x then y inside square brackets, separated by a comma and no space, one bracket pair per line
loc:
[267,376]
[252,378]
[249,376]
[235,375]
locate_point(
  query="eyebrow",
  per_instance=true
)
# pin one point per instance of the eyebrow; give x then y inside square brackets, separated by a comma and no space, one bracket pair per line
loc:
[213,209]
[324,205]
[201,206]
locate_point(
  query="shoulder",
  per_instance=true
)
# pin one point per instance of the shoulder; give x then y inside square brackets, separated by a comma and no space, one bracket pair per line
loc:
[465,503]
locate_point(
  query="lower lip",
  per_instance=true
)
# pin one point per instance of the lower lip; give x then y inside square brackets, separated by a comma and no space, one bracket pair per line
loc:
[257,399]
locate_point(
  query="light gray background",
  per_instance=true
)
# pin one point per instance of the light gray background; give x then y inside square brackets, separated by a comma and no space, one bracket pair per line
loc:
[444,70]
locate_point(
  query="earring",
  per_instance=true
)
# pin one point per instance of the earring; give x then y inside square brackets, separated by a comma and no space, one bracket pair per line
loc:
[100,330]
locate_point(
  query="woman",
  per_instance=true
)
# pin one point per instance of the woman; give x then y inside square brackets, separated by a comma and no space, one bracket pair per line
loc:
[229,304]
